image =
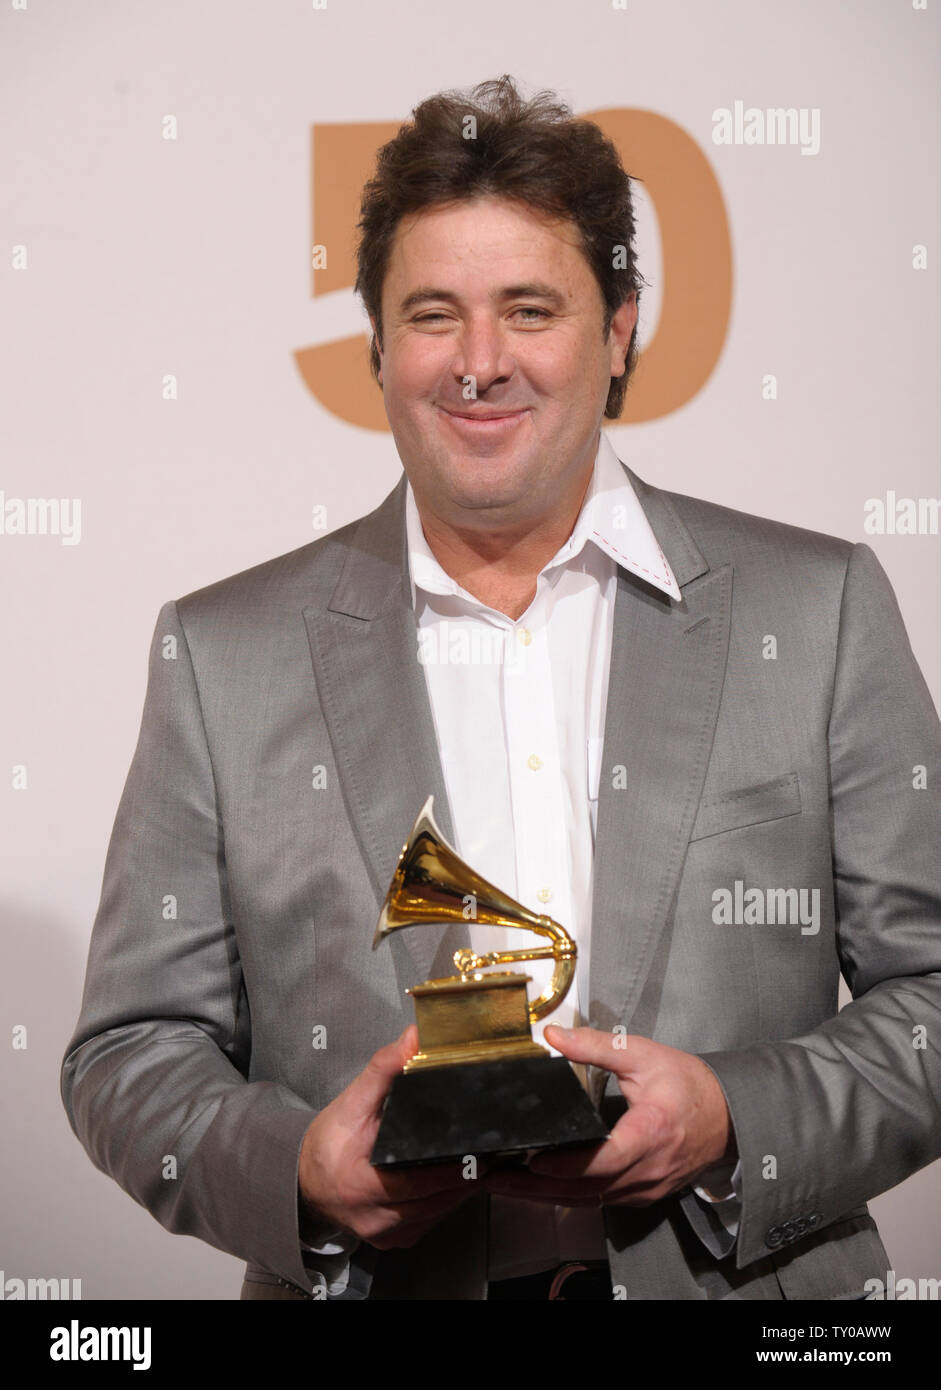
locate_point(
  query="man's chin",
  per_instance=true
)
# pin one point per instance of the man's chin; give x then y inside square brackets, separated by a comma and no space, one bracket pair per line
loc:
[483,509]
[487,487]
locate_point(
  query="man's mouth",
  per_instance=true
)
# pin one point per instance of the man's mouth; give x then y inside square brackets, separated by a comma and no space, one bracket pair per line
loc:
[484,423]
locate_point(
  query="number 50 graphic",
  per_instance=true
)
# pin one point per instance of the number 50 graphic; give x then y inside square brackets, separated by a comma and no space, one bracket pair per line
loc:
[696,256]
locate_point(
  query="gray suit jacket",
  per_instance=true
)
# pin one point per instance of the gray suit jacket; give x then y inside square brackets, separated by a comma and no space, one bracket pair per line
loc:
[285,748]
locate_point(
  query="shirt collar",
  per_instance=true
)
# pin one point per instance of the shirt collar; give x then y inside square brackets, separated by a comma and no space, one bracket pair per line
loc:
[611,517]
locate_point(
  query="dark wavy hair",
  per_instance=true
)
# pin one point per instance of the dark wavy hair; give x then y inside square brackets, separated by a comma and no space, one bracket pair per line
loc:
[532,151]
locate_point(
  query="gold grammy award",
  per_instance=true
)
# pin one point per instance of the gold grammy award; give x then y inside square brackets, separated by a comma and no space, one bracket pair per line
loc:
[478,1084]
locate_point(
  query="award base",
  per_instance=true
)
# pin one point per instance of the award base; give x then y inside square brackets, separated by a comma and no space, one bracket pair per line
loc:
[507,1107]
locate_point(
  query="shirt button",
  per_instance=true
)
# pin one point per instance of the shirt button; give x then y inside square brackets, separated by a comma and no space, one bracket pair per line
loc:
[524,635]
[534,761]
[544,895]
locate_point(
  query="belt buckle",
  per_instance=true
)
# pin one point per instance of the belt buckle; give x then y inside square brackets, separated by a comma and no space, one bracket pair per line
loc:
[563,1273]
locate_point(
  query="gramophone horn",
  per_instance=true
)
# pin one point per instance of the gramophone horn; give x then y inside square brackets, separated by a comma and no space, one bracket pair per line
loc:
[433,885]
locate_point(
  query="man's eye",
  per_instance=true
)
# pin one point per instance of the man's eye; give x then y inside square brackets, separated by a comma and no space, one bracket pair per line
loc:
[523,309]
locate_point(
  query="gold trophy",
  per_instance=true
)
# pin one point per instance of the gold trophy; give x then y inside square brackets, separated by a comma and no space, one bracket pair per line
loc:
[478,1084]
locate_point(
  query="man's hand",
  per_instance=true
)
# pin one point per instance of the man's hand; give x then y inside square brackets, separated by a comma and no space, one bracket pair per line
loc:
[339,1187]
[677,1127]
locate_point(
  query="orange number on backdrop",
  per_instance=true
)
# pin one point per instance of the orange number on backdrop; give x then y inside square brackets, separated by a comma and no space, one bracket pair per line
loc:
[696,293]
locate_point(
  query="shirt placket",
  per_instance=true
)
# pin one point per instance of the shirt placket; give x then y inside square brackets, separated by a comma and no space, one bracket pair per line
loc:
[535,775]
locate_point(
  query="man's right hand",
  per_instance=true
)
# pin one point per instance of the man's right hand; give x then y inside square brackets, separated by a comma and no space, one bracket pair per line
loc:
[339,1187]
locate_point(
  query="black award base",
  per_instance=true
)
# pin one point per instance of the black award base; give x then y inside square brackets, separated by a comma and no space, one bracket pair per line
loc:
[440,1113]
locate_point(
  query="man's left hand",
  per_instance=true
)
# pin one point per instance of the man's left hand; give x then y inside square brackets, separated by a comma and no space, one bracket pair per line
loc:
[677,1126]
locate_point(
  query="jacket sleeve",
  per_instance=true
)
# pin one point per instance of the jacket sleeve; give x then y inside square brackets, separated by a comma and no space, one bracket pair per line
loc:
[854,1107]
[154,1079]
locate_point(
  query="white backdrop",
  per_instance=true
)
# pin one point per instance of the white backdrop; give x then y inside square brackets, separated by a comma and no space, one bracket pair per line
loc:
[128,256]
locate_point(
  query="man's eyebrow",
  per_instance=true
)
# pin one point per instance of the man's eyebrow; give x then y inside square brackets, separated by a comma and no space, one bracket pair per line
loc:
[535,289]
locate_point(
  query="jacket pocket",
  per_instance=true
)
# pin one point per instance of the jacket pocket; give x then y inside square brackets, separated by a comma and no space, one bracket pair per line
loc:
[748,806]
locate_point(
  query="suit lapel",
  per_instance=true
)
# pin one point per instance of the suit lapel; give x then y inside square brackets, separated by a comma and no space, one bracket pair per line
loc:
[364,648]
[667,669]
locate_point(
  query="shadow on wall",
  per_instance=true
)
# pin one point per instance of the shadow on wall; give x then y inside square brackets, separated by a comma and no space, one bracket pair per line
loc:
[60,1218]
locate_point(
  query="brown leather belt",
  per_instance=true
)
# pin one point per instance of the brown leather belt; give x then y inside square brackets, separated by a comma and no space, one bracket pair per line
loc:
[581,1280]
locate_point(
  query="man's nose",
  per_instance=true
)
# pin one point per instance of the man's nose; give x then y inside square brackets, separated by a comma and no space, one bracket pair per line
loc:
[483,353]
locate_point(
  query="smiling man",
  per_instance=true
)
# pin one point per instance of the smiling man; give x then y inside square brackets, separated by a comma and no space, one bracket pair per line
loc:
[624,753]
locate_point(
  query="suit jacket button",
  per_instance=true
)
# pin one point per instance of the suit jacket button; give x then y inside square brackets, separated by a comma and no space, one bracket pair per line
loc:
[788,1232]
[815,1220]
[774,1237]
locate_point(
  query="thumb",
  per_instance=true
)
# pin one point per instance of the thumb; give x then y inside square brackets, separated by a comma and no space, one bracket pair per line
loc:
[407,1042]
[368,1090]
[616,1052]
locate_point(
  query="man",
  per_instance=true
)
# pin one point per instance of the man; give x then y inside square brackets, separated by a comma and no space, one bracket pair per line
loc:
[722,832]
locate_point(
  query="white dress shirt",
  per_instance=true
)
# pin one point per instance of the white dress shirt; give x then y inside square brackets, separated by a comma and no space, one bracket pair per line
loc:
[519,711]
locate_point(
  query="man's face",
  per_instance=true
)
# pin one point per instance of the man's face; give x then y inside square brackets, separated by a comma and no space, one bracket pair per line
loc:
[490,290]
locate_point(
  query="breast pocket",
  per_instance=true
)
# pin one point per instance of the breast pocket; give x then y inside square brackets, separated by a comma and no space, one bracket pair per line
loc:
[733,810]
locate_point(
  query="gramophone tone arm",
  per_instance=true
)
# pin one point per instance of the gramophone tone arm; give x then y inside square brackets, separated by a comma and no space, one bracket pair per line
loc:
[562,951]
[557,989]
[467,960]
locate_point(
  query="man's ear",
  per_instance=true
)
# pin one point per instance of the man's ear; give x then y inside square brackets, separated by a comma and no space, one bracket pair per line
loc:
[619,334]
[372,324]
